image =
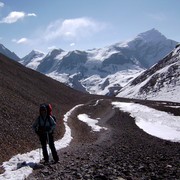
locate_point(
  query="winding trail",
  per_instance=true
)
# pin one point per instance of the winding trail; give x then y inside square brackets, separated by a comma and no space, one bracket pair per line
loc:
[122,151]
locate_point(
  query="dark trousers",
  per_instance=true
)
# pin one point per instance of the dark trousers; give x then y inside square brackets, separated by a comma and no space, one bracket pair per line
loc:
[48,138]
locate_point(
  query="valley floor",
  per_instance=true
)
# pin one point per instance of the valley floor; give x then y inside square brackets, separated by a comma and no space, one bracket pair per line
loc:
[123,151]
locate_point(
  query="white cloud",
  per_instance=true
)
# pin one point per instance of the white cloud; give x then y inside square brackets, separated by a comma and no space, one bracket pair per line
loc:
[51,47]
[1,4]
[65,32]
[15,16]
[31,14]
[72,29]
[20,41]
[72,44]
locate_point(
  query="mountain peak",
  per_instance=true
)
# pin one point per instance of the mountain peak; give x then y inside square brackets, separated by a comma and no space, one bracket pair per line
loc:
[36,52]
[33,54]
[55,52]
[8,53]
[152,35]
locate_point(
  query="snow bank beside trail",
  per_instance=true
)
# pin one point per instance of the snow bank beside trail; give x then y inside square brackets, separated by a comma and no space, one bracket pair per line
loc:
[13,172]
[64,142]
[154,122]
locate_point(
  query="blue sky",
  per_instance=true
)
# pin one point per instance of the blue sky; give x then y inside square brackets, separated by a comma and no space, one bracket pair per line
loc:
[82,24]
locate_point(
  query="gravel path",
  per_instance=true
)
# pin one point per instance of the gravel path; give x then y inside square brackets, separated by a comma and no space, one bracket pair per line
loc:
[122,152]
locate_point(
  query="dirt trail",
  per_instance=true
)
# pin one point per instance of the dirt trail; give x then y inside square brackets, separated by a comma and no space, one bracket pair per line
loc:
[122,152]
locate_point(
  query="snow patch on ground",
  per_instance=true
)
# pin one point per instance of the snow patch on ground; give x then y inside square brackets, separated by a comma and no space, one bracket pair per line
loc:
[13,171]
[91,122]
[157,123]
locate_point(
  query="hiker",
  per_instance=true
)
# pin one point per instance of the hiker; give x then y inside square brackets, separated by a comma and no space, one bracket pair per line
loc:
[44,126]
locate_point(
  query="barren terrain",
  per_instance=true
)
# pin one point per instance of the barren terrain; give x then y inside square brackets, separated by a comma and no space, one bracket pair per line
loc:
[121,151]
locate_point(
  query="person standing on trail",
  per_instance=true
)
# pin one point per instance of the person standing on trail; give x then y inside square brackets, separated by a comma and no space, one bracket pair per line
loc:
[44,127]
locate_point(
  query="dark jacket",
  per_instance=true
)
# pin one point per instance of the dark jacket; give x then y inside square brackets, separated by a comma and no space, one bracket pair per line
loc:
[42,125]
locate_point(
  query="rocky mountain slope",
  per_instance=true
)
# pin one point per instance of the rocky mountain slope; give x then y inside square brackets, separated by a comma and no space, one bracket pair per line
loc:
[161,82]
[21,91]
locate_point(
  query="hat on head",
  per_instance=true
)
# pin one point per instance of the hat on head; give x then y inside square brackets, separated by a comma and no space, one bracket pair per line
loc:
[42,108]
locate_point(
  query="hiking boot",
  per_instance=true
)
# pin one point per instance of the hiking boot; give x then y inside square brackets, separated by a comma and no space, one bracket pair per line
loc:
[45,162]
[55,161]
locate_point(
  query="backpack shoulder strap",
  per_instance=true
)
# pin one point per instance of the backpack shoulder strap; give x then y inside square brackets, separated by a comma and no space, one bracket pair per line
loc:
[50,122]
[54,118]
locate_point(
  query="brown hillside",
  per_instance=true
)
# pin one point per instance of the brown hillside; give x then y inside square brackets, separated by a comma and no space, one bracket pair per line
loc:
[21,92]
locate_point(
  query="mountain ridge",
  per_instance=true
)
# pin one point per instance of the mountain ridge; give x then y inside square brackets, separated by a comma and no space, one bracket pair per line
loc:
[8,53]
[160,82]
[96,71]
[137,54]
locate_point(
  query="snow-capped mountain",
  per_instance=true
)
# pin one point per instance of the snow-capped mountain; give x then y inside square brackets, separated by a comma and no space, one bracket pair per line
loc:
[149,47]
[33,59]
[8,53]
[161,82]
[102,70]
